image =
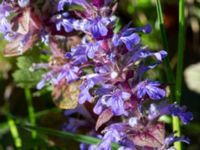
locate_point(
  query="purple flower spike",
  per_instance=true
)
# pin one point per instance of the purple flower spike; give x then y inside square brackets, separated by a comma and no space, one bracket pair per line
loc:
[150,88]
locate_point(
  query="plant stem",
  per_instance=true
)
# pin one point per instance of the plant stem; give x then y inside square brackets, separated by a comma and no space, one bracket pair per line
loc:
[31,111]
[13,130]
[179,71]
[169,71]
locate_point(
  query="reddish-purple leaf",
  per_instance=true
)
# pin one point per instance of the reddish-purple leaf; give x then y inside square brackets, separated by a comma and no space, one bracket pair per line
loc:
[152,137]
[104,117]
[21,22]
[15,48]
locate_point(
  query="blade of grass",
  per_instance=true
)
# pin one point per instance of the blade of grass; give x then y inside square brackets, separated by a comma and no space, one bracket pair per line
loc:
[76,137]
[13,129]
[31,111]
[169,71]
[179,70]
[4,126]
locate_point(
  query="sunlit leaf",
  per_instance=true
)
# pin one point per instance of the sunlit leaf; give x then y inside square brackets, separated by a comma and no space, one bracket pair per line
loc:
[66,97]
[192,77]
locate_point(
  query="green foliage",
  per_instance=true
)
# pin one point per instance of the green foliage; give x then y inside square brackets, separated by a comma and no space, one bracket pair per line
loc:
[24,77]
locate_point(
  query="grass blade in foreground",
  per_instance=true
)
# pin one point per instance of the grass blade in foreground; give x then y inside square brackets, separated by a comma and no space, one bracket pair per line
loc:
[76,137]
[13,129]
[179,71]
[170,76]
[31,112]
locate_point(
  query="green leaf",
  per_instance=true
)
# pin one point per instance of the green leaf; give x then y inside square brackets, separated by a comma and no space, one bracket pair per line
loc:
[76,137]
[23,76]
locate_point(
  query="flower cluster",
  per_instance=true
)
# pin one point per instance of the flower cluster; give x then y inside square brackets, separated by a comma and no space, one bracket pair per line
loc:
[105,67]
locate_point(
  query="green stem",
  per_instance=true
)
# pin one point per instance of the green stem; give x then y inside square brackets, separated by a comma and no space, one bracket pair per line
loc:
[31,111]
[179,71]
[169,71]
[13,130]
[76,137]
[181,45]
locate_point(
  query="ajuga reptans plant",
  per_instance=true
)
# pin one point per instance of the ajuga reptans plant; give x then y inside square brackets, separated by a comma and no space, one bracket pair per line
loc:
[98,67]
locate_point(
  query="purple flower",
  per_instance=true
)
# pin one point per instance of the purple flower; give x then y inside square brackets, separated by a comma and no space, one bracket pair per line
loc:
[78,55]
[73,124]
[5,26]
[131,40]
[164,108]
[81,53]
[98,27]
[171,139]
[61,3]
[5,10]
[98,3]
[143,53]
[150,88]
[109,137]
[114,99]
[92,48]
[90,81]
[47,77]
[10,36]
[62,20]
[69,72]
[129,37]
[179,111]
